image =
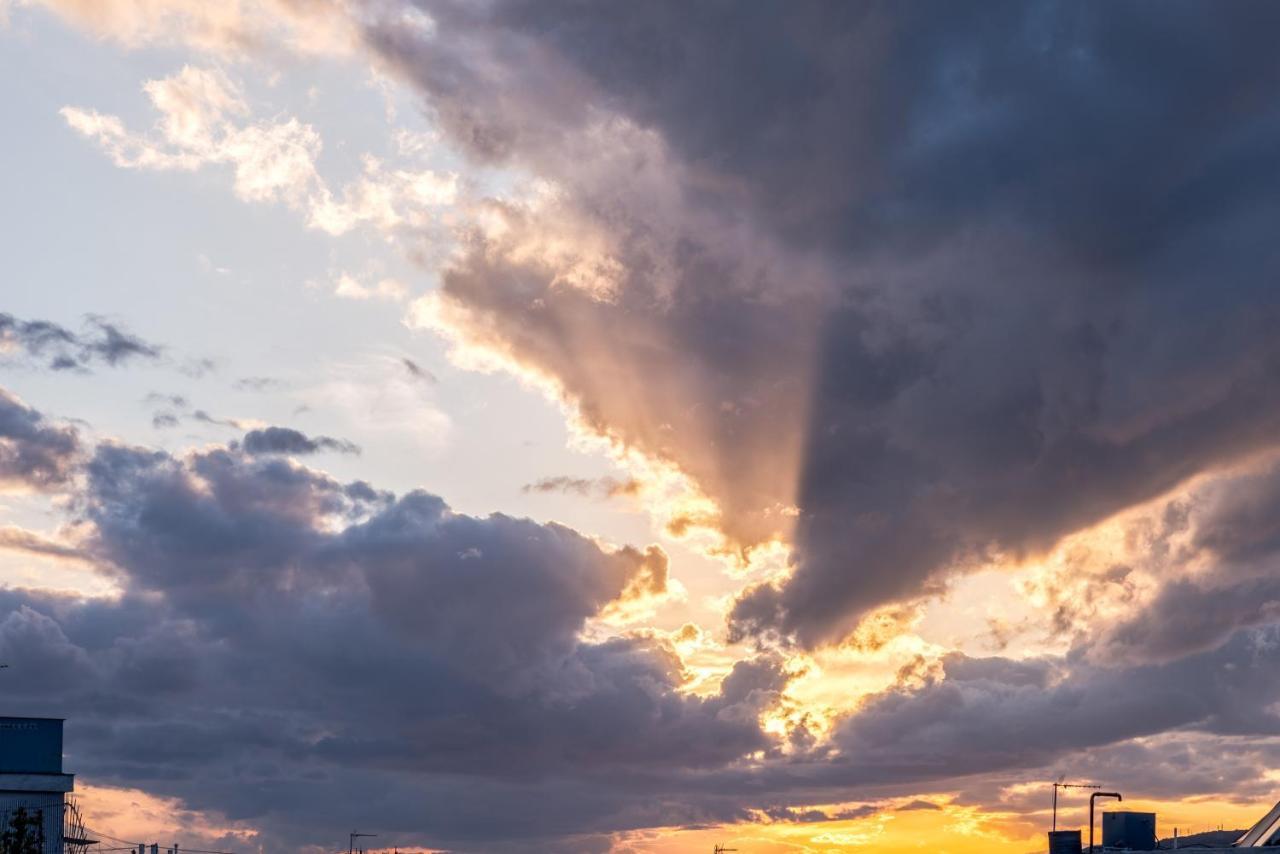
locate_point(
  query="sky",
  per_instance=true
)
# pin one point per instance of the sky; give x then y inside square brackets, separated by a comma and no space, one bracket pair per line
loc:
[534,425]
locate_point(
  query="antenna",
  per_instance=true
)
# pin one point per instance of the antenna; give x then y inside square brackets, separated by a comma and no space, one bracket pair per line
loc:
[74,835]
[1057,786]
[720,849]
[351,845]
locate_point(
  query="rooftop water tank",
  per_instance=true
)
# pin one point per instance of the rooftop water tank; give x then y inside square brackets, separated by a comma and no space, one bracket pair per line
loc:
[1129,831]
[1064,842]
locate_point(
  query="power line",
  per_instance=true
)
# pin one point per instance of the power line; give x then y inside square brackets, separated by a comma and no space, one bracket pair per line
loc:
[112,838]
[133,846]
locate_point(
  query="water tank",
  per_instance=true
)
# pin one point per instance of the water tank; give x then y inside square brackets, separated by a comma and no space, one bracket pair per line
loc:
[1064,842]
[1131,831]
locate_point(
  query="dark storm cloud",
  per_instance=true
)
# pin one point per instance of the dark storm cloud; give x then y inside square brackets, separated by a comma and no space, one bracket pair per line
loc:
[34,453]
[287,645]
[101,342]
[284,440]
[942,280]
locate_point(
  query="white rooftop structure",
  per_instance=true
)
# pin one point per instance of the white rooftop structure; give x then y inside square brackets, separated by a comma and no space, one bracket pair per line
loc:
[1264,834]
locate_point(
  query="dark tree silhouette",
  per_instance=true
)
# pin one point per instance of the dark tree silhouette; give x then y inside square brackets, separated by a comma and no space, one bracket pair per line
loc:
[24,834]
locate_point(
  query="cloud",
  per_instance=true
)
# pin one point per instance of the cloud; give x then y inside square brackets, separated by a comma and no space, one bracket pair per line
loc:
[283,440]
[1217,553]
[811,815]
[418,372]
[995,714]
[176,408]
[101,342]
[385,289]
[198,109]
[936,281]
[385,198]
[328,637]
[918,805]
[22,540]
[605,487]
[204,120]
[114,346]
[205,418]
[903,290]
[265,608]
[34,453]
[243,27]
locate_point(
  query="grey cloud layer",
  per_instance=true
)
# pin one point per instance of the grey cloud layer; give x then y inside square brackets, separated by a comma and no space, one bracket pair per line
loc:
[941,279]
[33,452]
[287,645]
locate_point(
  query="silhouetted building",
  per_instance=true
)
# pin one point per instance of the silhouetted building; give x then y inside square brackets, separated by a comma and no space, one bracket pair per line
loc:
[33,787]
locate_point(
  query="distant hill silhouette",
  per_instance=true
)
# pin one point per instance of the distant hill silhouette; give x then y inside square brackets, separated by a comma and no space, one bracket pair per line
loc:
[1208,839]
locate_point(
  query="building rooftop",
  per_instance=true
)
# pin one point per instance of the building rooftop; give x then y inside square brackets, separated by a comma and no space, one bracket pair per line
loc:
[30,745]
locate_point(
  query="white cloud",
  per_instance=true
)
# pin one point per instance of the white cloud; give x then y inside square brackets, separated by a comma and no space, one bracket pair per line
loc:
[388,289]
[224,27]
[386,199]
[198,108]
[205,119]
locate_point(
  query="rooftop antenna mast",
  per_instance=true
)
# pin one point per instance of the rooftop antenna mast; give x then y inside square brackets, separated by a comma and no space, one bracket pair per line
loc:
[1057,786]
[351,845]
[720,849]
[74,835]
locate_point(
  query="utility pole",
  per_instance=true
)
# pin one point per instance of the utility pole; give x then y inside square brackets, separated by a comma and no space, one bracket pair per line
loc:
[1057,786]
[351,844]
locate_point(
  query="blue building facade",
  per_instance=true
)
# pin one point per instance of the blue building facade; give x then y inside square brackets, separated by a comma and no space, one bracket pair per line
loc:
[31,776]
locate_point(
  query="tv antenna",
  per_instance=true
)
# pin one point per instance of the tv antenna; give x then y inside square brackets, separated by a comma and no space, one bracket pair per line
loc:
[720,849]
[351,845]
[1057,786]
